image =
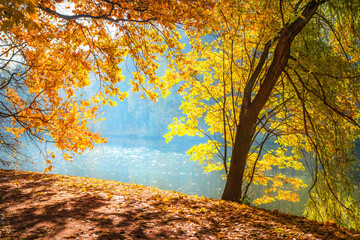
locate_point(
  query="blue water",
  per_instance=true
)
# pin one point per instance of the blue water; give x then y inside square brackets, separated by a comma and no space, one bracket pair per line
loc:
[150,162]
[145,161]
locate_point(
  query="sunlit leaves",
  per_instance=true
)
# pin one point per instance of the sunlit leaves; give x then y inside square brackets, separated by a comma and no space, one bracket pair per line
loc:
[313,113]
[205,153]
[181,127]
[212,78]
[18,11]
[65,46]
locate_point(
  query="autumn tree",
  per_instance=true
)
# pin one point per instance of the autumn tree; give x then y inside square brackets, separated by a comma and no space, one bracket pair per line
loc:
[52,48]
[285,71]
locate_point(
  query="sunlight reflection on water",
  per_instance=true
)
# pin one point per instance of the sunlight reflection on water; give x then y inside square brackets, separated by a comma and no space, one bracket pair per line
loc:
[147,164]
[151,162]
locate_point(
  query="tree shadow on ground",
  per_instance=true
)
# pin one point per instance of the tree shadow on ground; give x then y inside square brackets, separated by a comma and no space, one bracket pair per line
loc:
[38,206]
[34,210]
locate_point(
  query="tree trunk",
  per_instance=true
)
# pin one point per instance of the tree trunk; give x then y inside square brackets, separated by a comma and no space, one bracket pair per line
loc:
[250,109]
[244,135]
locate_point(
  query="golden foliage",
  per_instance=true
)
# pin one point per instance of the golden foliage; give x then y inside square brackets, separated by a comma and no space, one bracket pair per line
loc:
[313,110]
[63,46]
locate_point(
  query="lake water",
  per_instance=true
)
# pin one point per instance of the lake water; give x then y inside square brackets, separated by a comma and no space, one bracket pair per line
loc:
[151,162]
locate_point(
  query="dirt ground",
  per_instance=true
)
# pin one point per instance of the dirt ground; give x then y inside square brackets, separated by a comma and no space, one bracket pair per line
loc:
[47,206]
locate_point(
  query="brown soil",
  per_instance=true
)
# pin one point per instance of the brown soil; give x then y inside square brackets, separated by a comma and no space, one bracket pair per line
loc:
[47,206]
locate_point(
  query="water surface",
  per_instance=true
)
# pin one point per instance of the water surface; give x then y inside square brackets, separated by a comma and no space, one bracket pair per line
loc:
[151,162]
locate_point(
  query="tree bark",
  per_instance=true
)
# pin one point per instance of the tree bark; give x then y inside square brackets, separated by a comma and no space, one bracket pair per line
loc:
[251,109]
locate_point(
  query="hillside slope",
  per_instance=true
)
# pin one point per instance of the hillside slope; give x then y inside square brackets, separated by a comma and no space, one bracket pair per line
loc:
[47,206]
